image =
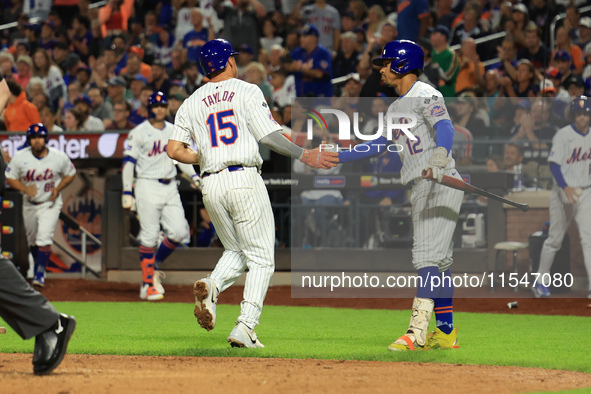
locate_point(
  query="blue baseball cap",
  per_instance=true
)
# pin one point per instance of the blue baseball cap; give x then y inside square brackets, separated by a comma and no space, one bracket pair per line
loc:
[561,54]
[245,48]
[440,29]
[83,99]
[310,30]
[140,77]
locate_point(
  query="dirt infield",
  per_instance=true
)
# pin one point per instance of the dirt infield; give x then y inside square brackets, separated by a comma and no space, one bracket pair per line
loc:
[113,374]
[117,374]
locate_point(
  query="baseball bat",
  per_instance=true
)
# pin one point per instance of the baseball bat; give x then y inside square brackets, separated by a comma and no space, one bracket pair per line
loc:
[466,187]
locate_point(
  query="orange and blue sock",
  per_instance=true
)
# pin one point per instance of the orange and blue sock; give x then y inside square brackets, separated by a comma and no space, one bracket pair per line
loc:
[166,248]
[444,304]
[147,261]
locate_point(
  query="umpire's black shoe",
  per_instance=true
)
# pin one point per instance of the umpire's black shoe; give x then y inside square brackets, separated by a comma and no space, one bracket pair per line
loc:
[51,345]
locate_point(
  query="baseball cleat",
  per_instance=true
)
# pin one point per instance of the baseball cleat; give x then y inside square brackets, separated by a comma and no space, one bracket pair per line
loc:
[158,276]
[206,296]
[405,343]
[540,290]
[39,279]
[149,292]
[243,336]
[440,340]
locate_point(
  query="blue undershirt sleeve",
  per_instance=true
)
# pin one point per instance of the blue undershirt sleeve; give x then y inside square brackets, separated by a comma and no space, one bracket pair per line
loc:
[555,168]
[444,134]
[363,151]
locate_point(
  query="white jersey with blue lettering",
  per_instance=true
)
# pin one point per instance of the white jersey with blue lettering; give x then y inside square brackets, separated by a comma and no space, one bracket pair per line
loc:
[226,120]
[435,208]
[571,150]
[428,107]
[147,145]
[45,173]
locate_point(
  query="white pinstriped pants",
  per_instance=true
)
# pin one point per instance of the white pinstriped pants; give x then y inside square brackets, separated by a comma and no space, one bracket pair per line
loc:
[157,204]
[41,221]
[561,214]
[435,211]
[239,206]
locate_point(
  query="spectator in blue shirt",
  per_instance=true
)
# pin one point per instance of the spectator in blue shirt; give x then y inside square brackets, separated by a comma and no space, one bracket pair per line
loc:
[311,65]
[413,19]
[194,40]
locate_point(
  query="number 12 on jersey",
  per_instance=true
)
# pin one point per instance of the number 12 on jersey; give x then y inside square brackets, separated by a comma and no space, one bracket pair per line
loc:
[216,123]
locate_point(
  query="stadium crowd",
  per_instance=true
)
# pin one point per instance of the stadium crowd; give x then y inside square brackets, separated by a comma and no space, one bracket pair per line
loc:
[80,66]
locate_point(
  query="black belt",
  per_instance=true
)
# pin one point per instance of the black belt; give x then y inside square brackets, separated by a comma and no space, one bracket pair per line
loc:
[231,169]
[165,181]
[34,203]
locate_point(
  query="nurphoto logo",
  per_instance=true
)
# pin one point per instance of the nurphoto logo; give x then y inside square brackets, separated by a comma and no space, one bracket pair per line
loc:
[396,123]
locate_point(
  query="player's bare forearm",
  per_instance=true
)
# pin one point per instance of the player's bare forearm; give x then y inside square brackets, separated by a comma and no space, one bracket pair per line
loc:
[16,185]
[182,152]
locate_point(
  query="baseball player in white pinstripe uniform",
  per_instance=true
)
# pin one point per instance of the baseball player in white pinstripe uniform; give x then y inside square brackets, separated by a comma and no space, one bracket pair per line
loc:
[40,173]
[226,119]
[156,193]
[435,208]
[570,163]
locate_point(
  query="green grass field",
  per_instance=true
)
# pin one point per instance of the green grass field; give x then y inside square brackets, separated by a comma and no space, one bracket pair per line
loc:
[555,342]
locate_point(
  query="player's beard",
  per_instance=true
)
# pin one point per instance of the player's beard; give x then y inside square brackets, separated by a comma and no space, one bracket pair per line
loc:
[582,123]
[37,151]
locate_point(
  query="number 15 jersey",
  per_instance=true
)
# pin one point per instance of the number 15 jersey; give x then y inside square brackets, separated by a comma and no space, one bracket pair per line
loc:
[225,120]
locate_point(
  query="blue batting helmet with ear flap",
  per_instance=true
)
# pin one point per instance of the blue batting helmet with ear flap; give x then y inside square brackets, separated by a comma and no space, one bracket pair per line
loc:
[405,56]
[215,55]
[581,104]
[37,129]
[155,99]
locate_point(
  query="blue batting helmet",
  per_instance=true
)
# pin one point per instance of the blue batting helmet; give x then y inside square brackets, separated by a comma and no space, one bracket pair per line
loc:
[581,104]
[157,98]
[405,56]
[215,55]
[37,129]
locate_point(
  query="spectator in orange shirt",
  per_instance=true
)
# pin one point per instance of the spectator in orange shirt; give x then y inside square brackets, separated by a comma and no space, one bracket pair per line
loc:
[564,42]
[471,68]
[19,113]
[114,17]
[135,65]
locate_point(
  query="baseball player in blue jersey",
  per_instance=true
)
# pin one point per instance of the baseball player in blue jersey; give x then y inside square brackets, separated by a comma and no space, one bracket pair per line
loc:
[435,208]
[570,163]
[226,119]
[40,173]
[156,193]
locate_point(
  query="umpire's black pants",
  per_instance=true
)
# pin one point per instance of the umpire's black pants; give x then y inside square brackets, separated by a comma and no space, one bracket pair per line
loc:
[26,310]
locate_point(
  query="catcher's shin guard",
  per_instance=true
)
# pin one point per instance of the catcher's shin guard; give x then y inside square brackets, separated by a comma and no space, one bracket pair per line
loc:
[416,335]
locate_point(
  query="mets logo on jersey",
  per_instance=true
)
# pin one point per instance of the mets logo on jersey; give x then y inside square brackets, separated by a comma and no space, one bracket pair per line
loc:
[437,110]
